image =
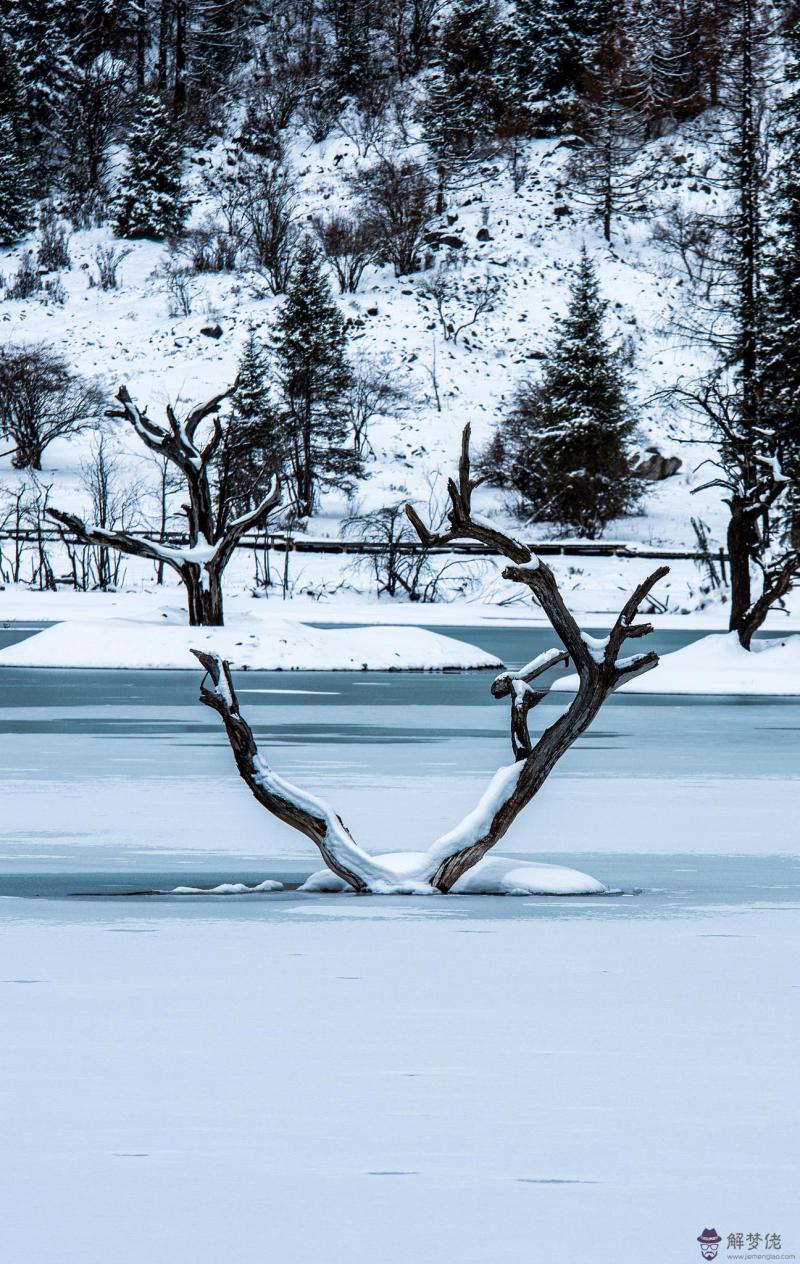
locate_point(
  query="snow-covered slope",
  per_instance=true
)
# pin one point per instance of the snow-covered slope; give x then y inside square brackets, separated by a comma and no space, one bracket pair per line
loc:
[533,236]
[128,334]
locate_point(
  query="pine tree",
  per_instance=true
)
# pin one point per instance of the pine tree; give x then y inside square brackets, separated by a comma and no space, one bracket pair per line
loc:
[38,31]
[611,131]
[465,101]
[150,202]
[16,176]
[659,75]
[562,446]
[549,47]
[251,448]
[313,376]
[351,60]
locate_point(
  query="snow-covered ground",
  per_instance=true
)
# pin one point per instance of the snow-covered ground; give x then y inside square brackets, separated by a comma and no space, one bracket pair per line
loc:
[270,637]
[307,1078]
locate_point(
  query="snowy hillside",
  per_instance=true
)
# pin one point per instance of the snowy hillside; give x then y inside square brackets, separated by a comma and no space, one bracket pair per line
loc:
[519,207]
[531,239]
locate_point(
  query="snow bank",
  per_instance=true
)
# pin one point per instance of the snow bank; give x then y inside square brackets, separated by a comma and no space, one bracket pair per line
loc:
[269,645]
[494,875]
[719,665]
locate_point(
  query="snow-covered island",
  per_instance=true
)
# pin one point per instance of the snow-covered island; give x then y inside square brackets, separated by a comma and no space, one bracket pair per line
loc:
[257,644]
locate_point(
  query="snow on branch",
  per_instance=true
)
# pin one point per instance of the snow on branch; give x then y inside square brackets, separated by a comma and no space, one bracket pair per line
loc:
[202,560]
[600,671]
[303,811]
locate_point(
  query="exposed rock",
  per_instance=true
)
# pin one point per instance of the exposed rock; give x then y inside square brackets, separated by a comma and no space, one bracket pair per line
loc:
[444,239]
[212,331]
[483,234]
[654,467]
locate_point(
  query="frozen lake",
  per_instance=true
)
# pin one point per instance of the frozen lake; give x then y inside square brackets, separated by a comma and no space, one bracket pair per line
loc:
[336,1079]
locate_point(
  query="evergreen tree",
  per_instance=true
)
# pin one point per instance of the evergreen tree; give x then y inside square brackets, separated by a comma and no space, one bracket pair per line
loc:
[465,101]
[150,202]
[16,177]
[313,376]
[38,31]
[610,130]
[562,446]
[659,75]
[250,452]
[549,47]
[351,60]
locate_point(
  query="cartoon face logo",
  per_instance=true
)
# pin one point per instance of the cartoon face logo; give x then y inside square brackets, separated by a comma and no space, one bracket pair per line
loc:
[709,1244]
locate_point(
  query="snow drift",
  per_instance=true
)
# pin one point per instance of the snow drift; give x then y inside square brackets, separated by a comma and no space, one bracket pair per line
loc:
[268,645]
[718,665]
[494,875]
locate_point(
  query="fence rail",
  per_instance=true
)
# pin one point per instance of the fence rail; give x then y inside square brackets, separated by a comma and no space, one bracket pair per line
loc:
[367,548]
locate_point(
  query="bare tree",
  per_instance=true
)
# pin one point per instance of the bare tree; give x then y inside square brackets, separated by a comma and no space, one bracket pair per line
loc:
[201,563]
[178,280]
[398,198]
[114,506]
[41,399]
[268,209]
[600,667]
[458,307]
[256,201]
[372,392]
[764,556]
[349,244]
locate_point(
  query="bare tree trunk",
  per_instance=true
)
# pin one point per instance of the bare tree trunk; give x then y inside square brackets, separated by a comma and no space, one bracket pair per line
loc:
[200,564]
[179,90]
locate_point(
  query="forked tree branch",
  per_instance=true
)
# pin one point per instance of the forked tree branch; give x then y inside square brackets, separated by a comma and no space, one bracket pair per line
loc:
[304,812]
[200,564]
[600,670]
[599,667]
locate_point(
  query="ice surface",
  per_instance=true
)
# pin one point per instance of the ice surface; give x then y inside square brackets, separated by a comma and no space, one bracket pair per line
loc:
[394,1079]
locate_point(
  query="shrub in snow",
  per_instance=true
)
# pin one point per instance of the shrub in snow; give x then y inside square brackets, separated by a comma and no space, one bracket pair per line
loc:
[397,199]
[107,260]
[178,281]
[349,243]
[26,281]
[52,250]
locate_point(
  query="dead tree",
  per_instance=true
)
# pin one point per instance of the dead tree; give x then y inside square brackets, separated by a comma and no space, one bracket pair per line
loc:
[201,563]
[600,668]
